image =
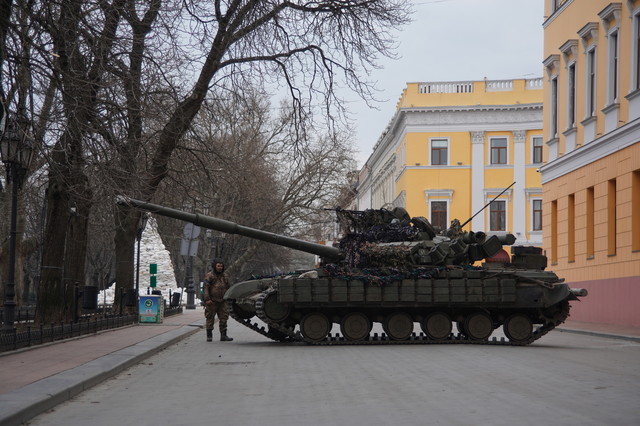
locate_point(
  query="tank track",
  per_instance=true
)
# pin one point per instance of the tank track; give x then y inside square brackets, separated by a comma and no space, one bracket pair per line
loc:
[287,334]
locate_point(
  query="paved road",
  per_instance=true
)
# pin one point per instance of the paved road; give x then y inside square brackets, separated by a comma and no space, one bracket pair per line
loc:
[563,379]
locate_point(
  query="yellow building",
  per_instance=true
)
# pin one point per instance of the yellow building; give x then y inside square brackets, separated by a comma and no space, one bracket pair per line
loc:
[451,147]
[591,181]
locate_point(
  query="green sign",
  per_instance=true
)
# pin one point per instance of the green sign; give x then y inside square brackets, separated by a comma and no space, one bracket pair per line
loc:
[153,268]
[153,280]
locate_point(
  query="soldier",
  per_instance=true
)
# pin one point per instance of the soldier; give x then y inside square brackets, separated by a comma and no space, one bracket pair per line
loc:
[216,283]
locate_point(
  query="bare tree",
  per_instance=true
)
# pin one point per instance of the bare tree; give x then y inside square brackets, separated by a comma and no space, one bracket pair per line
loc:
[130,79]
[308,46]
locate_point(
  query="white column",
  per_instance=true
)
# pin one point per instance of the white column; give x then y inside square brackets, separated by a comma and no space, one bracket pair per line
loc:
[477,179]
[519,200]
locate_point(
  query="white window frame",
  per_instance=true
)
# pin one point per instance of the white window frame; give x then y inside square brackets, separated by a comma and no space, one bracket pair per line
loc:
[569,52]
[572,116]
[441,200]
[431,140]
[489,195]
[532,210]
[506,216]
[553,111]
[591,93]
[613,66]
[610,17]
[635,52]
[533,137]
[439,195]
[491,138]
[589,37]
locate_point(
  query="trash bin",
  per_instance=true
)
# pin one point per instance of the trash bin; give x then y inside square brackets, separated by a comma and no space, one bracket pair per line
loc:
[130,297]
[90,297]
[175,300]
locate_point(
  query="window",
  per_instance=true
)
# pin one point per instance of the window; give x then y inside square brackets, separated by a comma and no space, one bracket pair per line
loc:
[571,96]
[590,222]
[498,150]
[439,214]
[635,210]
[553,123]
[439,152]
[612,93]
[537,149]
[536,215]
[554,231]
[591,83]
[611,217]
[571,228]
[497,216]
[636,52]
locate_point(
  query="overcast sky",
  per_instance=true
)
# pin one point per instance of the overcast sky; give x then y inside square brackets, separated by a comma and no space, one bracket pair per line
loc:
[452,40]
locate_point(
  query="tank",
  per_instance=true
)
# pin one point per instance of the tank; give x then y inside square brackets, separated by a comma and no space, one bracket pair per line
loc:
[396,271]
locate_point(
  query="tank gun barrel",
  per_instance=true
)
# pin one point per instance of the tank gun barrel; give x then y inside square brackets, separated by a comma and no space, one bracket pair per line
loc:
[228,227]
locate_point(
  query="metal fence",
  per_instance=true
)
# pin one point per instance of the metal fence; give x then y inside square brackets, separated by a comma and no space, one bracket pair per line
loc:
[30,335]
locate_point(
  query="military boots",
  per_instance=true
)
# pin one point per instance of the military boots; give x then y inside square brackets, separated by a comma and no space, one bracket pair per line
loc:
[209,335]
[224,337]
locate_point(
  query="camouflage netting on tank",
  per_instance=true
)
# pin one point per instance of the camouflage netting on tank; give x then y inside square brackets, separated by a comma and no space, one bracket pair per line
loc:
[355,222]
[354,246]
[376,255]
[380,276]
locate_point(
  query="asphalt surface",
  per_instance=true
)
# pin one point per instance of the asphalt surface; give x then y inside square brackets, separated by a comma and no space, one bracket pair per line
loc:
[37,379]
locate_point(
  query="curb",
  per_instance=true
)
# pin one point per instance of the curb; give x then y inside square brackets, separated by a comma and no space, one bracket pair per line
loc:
[23,404]
[600,334]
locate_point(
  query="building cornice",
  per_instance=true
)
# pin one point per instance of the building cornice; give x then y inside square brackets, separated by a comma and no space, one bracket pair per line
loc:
[609,14]
[614,141]
[476,118]
[569,50]
[551,64]
[589,31]
[458,108]
[557,12]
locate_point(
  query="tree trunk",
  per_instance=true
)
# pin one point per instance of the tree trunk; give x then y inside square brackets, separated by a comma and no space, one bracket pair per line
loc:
[65,240]
[125,238]
[52,297]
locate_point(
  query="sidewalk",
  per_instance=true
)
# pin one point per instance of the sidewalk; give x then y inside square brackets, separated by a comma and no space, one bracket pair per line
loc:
[34,380]
[37,379]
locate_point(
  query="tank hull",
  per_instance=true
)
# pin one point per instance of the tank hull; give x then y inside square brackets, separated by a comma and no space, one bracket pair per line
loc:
[477,301]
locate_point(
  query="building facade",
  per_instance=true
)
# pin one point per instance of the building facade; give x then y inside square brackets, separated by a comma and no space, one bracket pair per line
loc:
[591,179]
[451,147]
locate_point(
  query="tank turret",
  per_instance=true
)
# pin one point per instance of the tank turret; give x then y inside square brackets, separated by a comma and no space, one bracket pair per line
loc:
[396,270]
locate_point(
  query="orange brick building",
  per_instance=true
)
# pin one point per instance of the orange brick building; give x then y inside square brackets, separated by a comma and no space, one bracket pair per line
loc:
[591,179]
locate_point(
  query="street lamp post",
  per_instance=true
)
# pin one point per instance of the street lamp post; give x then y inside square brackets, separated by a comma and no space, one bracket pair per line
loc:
[142,223]
[16,149]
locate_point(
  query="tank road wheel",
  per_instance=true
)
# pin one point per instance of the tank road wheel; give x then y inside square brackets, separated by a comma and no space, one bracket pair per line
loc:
[478,326]
[273,310]
[518,328]
[437,326]
[355,326]
[398,326]
[315,326]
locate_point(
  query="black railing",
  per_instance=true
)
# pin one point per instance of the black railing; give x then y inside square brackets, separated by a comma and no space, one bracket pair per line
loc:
[28,335]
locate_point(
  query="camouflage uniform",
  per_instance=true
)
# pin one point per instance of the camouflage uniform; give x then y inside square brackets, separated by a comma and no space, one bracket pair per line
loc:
[215,286]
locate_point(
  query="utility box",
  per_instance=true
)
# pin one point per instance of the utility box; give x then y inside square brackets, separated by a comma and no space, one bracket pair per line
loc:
[151,309]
